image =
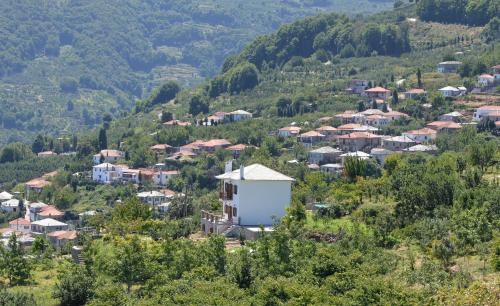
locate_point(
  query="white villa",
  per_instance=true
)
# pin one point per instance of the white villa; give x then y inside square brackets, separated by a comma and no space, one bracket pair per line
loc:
[107,156]
[449,91]
[485,111]
[106,173]
[252,196]
[48,225]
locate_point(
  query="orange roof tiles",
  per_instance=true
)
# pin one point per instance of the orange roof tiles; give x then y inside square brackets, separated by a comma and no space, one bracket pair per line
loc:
[423,131]
[326,128]
[312,134]
[68,235]
[444,124]
[359,135]
[37,183]
[377,89]
[20,221]
[349,126]
[50,210]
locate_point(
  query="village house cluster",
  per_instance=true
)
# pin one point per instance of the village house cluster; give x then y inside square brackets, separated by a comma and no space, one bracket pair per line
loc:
[38,219]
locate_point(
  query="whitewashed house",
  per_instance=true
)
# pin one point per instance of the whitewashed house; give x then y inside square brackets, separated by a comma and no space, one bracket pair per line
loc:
[335,169]
[48,225]
[153,198]
[485,80]
[449,91]
[289,131]
[421,135]
[4,196]
[252,196]
[20,225]
[107,156]
[448,66]
[10,206]
[106,173]
[485,111]
[239,115]
[324,155]
[161,178]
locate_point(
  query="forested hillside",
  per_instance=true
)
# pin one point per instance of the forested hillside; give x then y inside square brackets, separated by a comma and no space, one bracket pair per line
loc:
[64,63]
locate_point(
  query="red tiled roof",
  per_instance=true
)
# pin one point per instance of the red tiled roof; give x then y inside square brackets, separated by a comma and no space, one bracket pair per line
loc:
[20,221]
[290,129]
[50,210]
[395,113]
[377,89]
[444,124]
[68,235]
[359,135]
[349,126]
[312,134]
[168,192]
[37,183]
[489,76]
[326,128]
[109,153]
[214,143]
[490,107]
[375,117]
[423,131]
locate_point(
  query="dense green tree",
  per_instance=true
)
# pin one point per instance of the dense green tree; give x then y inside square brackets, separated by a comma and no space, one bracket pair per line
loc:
[14,266]
[75,286]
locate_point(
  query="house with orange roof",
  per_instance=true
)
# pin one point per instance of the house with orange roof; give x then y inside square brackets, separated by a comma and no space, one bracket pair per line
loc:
[358,141]
[173,123]
[213,144]
[378,93]
[444,126]
[421,135]
[289,131]
[329,131]
[347,128]
[35,185]
[237,149]
[414,93]
[495,116]
[21,225]
[394,115]
[398,143]
[107,173]
[345,117]
[377,120]
[161,148]
[485,80]
[49,211]
[107,156]
[485,110]
[310,138]
[59,239]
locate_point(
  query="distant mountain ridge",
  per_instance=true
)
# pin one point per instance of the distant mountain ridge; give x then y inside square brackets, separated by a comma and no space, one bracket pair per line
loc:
[64,63]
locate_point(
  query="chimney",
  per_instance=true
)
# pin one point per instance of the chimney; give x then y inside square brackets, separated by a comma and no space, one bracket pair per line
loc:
[242,172]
